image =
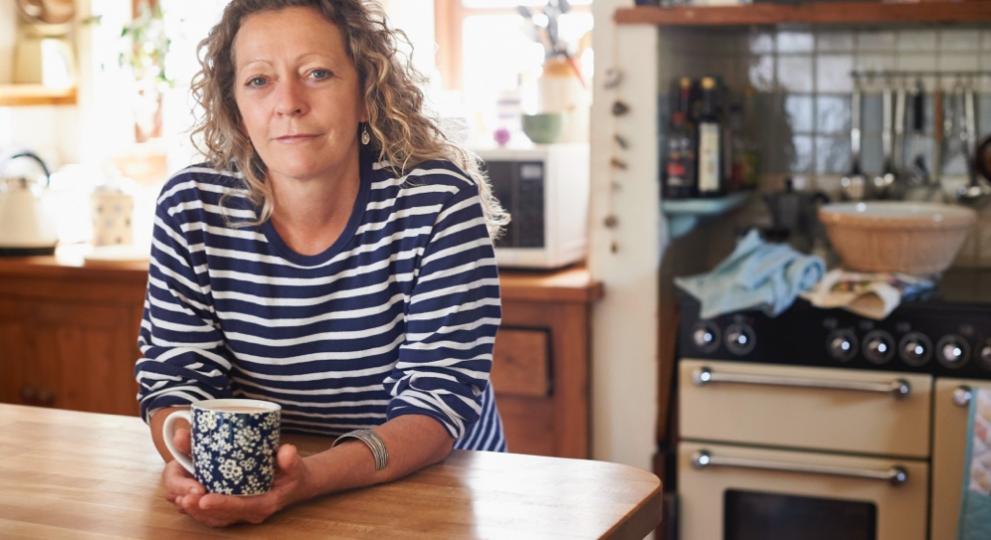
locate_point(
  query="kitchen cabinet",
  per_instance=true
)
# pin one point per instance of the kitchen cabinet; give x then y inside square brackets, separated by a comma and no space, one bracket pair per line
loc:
[68,340]
[68,337]
[949,452]
[541,367]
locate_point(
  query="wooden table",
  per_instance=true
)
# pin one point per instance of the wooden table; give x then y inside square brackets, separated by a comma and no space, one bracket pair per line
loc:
[68,474]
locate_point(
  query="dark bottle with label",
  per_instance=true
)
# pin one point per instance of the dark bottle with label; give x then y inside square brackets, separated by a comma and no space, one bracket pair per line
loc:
[679,165]
[712,150]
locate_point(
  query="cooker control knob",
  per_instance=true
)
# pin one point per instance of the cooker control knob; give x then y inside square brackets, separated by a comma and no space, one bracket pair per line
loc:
[740,339]
[986,356]
[705,336]
[842,345]
[915,349]
[952,351]
[879,347]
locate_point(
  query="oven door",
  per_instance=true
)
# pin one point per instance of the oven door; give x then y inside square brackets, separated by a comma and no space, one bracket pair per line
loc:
[745,493]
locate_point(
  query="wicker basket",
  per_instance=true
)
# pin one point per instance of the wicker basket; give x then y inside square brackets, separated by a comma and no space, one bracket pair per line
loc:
[907,237]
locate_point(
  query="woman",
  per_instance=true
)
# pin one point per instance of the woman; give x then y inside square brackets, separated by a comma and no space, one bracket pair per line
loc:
[334,256]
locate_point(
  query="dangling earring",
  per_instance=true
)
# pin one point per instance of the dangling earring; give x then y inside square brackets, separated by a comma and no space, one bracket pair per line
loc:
[365,137]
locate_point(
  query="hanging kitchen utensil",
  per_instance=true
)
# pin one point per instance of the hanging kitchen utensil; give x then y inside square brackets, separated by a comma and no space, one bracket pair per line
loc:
[918,170]
[938,134]
[853,186]
[982,159]
[898,153]
[26,225]
[976,192]
[883,183]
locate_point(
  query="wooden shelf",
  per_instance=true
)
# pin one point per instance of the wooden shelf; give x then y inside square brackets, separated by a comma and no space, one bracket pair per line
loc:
[16,95]
[685,214]
[841,13]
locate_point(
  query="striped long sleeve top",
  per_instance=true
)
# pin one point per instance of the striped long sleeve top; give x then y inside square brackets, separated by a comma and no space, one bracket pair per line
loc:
[397,317]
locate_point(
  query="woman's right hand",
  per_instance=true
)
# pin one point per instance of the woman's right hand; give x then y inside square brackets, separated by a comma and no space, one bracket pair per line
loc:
[177,480]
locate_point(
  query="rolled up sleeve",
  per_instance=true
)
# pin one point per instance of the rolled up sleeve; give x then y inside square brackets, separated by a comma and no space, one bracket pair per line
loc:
[453,314]
[183,354]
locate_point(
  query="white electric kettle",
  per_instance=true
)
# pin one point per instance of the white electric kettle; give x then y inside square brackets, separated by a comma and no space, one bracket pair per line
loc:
[26,224]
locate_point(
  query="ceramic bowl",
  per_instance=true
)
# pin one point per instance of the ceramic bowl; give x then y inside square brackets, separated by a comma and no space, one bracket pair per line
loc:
[542,128]
[893,236]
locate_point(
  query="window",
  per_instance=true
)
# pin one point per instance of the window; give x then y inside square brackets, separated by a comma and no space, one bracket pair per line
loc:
[484,43]
[488,55]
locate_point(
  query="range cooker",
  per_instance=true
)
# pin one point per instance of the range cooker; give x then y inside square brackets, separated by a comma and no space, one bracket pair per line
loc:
[945,333]
[825,424]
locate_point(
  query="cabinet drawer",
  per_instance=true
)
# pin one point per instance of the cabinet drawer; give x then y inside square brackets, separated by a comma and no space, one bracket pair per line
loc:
[520,365]
[816,416]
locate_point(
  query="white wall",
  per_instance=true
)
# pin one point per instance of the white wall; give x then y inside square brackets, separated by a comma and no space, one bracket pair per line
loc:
[625,321]
[416,19]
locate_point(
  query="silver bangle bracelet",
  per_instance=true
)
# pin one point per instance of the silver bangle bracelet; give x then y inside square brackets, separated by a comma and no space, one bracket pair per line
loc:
[374,443]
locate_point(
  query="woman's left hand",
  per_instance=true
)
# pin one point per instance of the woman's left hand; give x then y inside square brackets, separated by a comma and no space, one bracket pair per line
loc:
[218,510]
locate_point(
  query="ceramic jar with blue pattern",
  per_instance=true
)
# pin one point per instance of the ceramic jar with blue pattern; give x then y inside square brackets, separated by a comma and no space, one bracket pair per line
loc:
[234,444]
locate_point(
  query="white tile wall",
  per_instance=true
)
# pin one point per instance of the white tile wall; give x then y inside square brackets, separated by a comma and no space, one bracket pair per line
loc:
[835,41]
[959,40]
[917,40]
[874,40]
[795,72]
[795,67]
[833,73]
[795,42]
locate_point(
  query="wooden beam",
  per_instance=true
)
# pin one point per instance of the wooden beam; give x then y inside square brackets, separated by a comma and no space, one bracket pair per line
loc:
[810,13]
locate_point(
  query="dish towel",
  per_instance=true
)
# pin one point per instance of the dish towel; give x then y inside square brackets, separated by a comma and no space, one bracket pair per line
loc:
[757,275]
[868,295]
[975,505]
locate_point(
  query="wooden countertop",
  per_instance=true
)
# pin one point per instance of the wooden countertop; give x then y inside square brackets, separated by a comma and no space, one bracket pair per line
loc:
[570,284]
[67,474]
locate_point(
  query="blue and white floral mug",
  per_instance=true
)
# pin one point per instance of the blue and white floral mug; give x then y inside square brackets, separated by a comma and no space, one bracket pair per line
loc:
[234,444]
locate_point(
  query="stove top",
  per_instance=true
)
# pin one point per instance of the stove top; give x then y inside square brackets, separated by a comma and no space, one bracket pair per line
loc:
[946,333]
[965,286]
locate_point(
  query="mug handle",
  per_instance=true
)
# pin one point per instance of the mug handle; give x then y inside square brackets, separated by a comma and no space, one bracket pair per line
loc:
[168,432]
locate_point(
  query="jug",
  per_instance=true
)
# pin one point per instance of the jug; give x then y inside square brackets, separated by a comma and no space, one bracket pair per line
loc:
[26,224]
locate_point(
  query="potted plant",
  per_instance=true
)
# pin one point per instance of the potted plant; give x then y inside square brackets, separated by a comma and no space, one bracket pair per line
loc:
[145,47]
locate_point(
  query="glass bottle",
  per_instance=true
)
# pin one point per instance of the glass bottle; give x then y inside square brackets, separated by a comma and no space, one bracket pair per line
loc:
[712,163]
[680,166]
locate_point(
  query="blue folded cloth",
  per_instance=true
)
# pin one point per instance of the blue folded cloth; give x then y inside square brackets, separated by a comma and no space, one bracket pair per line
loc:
[757,275]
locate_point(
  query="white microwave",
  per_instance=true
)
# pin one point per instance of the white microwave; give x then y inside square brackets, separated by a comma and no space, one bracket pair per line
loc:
[545,190]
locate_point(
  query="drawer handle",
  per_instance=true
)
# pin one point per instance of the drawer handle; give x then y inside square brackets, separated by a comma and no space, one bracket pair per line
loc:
[898,388]
[962,395]
[896,476]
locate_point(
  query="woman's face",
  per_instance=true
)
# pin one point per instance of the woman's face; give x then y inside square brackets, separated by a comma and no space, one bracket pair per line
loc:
[298,93]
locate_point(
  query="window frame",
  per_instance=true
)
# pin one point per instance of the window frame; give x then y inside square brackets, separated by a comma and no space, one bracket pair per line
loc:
[449,16]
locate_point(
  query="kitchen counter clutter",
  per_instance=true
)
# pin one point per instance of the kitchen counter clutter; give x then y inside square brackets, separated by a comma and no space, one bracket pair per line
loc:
[59,312]
[69,474]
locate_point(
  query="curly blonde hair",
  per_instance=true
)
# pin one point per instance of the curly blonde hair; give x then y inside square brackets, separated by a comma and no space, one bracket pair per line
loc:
[401,132]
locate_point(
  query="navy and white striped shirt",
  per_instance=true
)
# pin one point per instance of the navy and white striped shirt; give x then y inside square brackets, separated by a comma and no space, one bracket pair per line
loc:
[397,317]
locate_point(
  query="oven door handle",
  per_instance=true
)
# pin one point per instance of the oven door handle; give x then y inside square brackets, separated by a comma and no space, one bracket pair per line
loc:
[896,475]
[898,388]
